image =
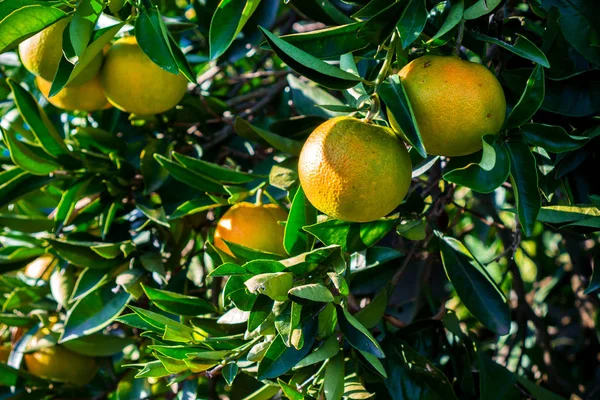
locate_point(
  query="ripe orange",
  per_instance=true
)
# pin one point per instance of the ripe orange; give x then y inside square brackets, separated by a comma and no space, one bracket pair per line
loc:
[88,96]
[456,103]
[134,83]
[41,54]
[354,171]
[252,225]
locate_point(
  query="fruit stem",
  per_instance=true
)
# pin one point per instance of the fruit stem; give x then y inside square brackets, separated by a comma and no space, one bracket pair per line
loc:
[374,109]
[385,68]
[459,38]
[259,195]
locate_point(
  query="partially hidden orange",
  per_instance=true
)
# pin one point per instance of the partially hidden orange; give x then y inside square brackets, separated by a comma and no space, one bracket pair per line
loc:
[252,225]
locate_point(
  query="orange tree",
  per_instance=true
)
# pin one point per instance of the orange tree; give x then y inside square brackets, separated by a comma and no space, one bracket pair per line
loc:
[172,228]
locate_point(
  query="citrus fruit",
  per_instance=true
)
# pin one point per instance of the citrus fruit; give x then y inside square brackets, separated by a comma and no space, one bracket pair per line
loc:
[41,267]
[61,364]
[354,171]
[134,83]
[252,225]
[455,102]
[41,54]
[88,96]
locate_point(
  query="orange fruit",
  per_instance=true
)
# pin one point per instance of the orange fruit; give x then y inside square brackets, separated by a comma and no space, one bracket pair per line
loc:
[252,225]
[41,267]
[134,83]
[41,54]
[58,363]
[456,103]
[354,171]
[88,96]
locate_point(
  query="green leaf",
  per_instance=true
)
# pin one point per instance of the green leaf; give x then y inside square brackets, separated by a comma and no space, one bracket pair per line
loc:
[279,358]
[214,171]
[302,213]
[248,131]
[311,292]
[333,381]
[412,22]
[566,214]
[227,23]
[162,323]
[351,236]
[94,312]
[229,372]
[380,26]
[495,381]
[372,313]
[179,304]
[35,117]
[310,66]
[260,311]
[486,175]
[481,8]
[82,255]
[406,366]
[530,100]
[356,334]
[196,205]
[579,24]
[153,174]
[25,22]
[290,391]
[374,364]
[67,71]
[16,183]
[152,36]
[67,203]
[522,47]
[228,269]
[83,22]
[524,177]
[256,267]
[395,98]
[275,285]
[26,156]
[475,287]
[329,42]
[553,138]
[454,17]
[98,345]
[328,349]
[26,223]
[188,177]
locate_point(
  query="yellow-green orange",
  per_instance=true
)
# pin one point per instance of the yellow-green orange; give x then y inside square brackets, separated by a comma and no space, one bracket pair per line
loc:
[88,96]
[354,171]
[42,53]
[134,83]
[252,225]
[456,103]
